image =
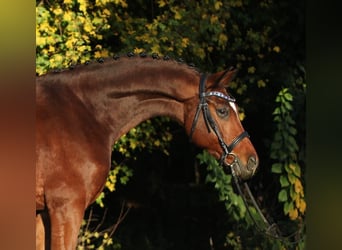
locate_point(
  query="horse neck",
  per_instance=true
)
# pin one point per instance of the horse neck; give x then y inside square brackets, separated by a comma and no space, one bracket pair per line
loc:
[128,92]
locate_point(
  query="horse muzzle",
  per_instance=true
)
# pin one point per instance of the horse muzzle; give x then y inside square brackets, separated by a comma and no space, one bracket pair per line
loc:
[243,171]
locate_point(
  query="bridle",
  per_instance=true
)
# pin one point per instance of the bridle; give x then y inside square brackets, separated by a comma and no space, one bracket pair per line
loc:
[210,122]
[270,230]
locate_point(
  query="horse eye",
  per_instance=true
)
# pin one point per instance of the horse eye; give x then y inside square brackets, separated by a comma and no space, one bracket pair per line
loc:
[222,112]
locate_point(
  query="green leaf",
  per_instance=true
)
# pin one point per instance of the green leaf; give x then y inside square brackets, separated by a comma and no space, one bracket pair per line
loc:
[277,168]
[99,199]
[287,105]
[283,181]
[288,96]
[276,111]
[275,146]
[291,141]
[288,206]
[291,178]
[282,196]
[278,136]
[288,119]
[292,130]
[297,170]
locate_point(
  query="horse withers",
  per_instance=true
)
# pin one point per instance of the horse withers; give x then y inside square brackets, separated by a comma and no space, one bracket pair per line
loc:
[80,113]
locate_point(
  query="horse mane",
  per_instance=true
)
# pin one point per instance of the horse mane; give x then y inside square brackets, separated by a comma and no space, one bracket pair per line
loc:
[120,57]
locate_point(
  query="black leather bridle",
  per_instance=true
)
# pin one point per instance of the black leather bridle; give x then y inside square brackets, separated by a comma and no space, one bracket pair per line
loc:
[210,122]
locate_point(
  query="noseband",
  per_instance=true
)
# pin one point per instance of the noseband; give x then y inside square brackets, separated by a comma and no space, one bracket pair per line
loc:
[210,122]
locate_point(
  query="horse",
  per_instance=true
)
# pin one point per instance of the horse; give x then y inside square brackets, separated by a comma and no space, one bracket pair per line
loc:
[81,112]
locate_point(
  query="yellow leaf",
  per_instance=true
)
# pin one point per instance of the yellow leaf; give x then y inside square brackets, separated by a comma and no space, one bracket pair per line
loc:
[97,54]
[251,70]
[106,12]
[82,5]
[223,39]
[213,19]
[133,144]
[68,16]
[161,3]
[185,42]
[88,27]
[218,5]
[298,187]
[40,41]
[292,167]
[200,52]
[82,48]
[178,16]
[157,143]
[156,48]
[137,51]
[276,49]
[302,206]
[69,44]
[293,214]
[104,53]
[58,11]
[261,84]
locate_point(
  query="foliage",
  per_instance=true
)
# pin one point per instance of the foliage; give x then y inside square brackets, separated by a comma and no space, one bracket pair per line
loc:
[146,136]
[236,209]
[284,150]
[223,183]
[66,31]
[263,39]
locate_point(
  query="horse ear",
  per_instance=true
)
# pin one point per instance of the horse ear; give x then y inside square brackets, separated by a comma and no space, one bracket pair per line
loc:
[223,78]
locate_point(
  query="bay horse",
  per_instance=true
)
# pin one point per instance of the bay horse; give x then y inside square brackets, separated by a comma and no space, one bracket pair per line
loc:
[80,113]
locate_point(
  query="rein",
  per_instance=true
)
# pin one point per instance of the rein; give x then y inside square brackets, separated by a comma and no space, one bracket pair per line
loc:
[271,230]
[210,122]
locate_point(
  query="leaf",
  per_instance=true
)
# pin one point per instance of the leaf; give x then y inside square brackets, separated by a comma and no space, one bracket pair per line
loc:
[287,105]
[298,187]
[293,214]
[276,146]
[288,205]
[277,118]
[288,96]
[287,168]
[292,130]
[288,119]
[291,178]
[276,111]
[292,142]
[218,5]
[293,194]
[302,206]
[99,199]
[296,169]
[277,168]
[283,181]
[282,196]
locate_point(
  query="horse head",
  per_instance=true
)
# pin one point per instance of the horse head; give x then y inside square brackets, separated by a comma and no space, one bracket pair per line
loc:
[215,125]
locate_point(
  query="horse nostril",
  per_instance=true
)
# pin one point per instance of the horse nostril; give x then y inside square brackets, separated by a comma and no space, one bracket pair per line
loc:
[252,164]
